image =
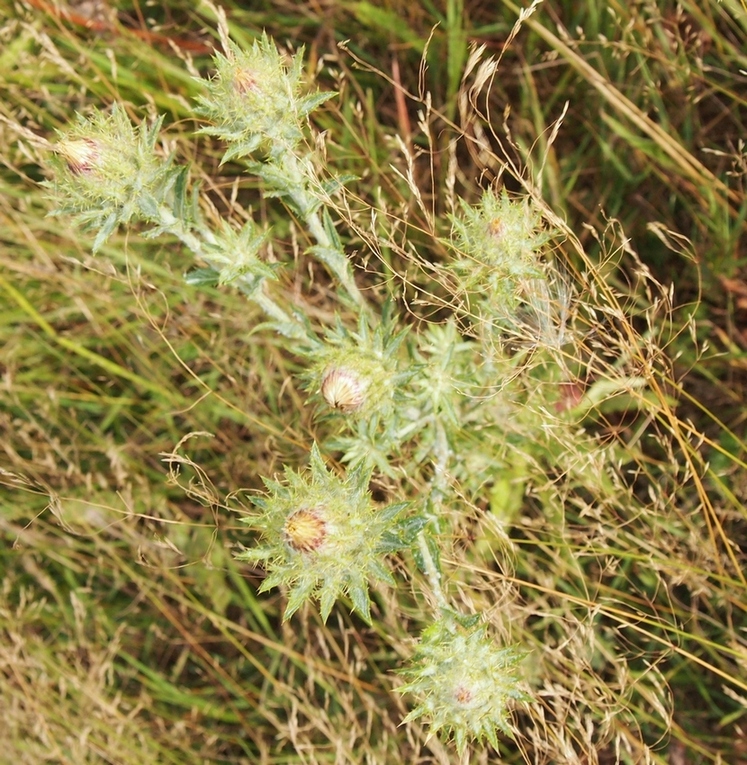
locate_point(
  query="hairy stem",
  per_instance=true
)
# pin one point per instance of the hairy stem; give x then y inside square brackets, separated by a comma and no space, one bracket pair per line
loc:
[283,322]
[306,203]
[431,571]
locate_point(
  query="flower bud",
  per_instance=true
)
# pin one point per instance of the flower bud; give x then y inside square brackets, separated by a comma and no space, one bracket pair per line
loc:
[109,172]
[501,231]
[344,389]
[81,154]
[254,100]
[245,81]
[357,372]
[571,393]
[496,228]
[464,682]
[322,537]
[499,245]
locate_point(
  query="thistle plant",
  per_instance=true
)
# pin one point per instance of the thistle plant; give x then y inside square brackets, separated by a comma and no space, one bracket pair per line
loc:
[114,175]
[357,372]
[110,175]
[464,682]
[499,241]
[255,104]
[441,413]
[322,536]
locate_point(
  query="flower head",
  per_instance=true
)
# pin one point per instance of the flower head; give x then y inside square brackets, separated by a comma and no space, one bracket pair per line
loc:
[463,681]
[357,372]
[501,232]
[254,100]
[344,388]
[109,173]
[499,242]
[81,154]
[323,537]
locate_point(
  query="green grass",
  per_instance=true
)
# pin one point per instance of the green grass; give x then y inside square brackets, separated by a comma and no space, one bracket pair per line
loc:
[136,412]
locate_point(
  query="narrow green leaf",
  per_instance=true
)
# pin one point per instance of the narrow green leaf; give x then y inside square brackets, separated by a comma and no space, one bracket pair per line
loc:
[107,229]
[327,600]
[296,598]
[307,104]
[361,601]
[381,572]
[202,277]
[148,206]
[181,208]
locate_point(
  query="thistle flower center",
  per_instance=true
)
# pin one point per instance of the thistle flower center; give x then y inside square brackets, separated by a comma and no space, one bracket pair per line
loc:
[463,695]
[305,530]
[496,228]
[245,81]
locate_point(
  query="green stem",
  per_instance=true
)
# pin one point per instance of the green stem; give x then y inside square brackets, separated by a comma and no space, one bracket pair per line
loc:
[313,221]
[437,493]
[443,455]
[330,254]
[283,322]
[432,572]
